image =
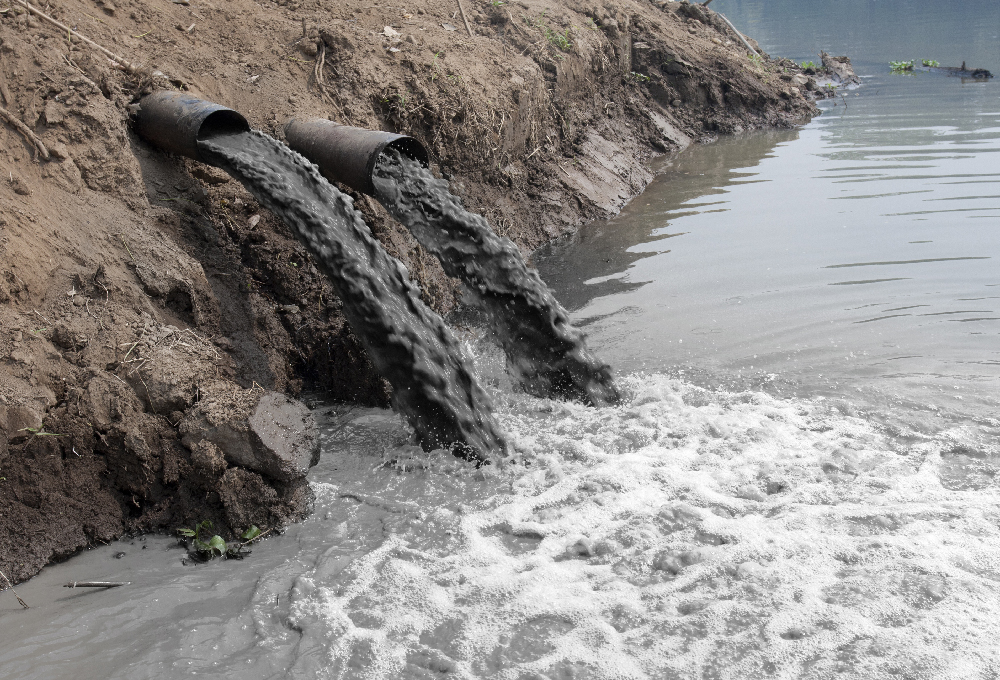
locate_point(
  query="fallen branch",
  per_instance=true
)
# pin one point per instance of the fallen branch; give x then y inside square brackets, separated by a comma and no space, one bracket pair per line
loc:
[738,34]
[255,538]
[124,63]
[96,584]
[26,131]
[19,600]
[467,27]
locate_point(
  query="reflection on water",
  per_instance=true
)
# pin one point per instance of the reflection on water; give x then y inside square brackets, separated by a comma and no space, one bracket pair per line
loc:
[861,247]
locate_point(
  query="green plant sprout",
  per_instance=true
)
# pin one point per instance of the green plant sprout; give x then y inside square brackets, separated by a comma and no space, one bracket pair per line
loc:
[560,40]
[204,547]
[901,66]
[640,77]
[435,67]
[806,65]
[40,432]
[930,62]
[756,59]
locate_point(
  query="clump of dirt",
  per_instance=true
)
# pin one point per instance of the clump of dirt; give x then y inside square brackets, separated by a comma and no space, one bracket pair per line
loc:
[142,293]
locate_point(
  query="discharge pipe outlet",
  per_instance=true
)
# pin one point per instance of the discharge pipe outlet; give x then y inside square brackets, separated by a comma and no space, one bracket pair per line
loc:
[176,122]
[348,154]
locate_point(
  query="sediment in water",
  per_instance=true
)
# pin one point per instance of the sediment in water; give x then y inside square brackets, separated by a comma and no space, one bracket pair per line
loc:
[410,345]
[544,351]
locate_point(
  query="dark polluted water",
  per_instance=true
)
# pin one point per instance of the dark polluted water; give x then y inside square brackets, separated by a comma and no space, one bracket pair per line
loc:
[545,353]
[411,346]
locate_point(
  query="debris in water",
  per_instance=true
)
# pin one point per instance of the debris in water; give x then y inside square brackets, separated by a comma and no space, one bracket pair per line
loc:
[96,584]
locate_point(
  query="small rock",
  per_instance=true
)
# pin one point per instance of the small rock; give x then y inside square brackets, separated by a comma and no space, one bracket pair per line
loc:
[79,301]
[58,150]
[271,434]
[209,175]
[119,555]
[675,103]
[253,221]
[449,27]
[19,186]
[410,39]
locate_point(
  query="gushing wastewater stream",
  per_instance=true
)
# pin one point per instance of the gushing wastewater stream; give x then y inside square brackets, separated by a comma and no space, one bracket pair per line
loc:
[433,385]
[546,354]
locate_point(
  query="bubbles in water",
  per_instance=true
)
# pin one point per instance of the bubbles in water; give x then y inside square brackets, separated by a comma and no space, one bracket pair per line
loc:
[687,533]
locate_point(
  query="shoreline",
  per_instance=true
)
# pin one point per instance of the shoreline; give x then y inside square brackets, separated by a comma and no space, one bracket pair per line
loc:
[144,296]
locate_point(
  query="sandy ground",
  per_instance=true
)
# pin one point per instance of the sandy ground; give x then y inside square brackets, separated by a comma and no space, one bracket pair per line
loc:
[144,297]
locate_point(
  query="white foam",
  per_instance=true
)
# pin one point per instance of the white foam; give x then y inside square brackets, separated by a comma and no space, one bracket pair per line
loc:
[686,534]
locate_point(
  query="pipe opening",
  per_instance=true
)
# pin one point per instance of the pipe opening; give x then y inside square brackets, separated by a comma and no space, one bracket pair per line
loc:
[410,148]
[221,122]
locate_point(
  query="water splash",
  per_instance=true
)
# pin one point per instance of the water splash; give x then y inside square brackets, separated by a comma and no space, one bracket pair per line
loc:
[544,351]
[411,346]
[688,533]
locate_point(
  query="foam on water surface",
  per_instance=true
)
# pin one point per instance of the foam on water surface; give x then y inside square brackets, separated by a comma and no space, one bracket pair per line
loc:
[688,533]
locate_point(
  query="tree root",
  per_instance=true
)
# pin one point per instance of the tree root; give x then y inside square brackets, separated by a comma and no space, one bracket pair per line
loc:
[26,131]
[125,64]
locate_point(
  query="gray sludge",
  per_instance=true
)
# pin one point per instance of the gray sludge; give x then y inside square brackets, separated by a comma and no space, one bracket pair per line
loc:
[544,351]
[410,345]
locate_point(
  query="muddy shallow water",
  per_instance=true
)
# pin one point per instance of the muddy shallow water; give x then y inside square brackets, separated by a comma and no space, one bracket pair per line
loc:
[804,487]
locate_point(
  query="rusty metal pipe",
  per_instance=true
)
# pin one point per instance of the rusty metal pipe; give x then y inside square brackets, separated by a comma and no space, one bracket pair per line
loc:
[347,154]
[175,121]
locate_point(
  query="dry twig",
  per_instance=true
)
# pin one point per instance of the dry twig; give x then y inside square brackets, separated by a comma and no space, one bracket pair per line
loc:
[19,600]
[462,10]
[96,584]
[125,64]
[26,131]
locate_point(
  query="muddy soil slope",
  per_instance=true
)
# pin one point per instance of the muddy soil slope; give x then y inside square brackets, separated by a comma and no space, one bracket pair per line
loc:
[151,313]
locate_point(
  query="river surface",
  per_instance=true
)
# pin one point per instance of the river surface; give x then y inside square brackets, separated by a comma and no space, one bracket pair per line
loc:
[800,483]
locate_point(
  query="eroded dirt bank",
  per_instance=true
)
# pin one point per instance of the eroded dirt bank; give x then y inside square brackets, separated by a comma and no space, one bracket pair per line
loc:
[153,317]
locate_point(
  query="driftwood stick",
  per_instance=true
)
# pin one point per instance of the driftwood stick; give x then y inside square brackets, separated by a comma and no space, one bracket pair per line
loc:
[19,600]
[255,538]
[738,34]
[96,584]
[26,131]
[462,10]
[127,65]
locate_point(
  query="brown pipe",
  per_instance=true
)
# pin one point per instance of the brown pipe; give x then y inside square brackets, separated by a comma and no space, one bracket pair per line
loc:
[347,154]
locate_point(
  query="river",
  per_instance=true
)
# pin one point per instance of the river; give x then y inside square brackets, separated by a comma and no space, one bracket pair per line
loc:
[800,483]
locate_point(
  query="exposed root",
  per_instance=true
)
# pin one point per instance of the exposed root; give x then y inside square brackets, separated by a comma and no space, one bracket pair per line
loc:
[124,63]
[26,131]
